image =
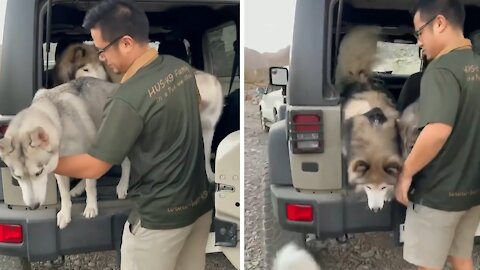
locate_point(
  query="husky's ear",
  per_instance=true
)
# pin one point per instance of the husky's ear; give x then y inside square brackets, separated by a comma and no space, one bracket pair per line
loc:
[80,53]
[66,68]
[39,138]
[65,73]
[6,146]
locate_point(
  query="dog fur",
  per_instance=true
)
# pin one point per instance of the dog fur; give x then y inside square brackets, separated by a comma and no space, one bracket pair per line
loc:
[292,257]
[370,135]
[59,122]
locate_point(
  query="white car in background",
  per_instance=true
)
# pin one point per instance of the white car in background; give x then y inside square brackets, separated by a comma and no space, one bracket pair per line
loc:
[269,105]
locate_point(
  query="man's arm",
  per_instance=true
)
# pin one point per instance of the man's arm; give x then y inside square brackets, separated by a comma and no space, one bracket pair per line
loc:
[82,166]
[428,144]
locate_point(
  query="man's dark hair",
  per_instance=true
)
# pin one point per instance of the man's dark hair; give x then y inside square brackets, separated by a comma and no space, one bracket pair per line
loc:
[116,18]
[452,10]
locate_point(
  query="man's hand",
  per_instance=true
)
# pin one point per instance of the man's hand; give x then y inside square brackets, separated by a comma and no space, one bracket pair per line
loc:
[401,190]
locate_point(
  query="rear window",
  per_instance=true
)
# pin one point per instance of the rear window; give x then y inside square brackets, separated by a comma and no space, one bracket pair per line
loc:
[220,44]
[398,59]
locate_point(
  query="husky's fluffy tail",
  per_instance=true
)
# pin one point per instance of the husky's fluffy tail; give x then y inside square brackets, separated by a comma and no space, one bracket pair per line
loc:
[357,55]
[291,257]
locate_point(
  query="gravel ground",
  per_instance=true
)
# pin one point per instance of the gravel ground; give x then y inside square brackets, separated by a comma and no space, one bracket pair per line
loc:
[255,167]
[102,261]
[362,251]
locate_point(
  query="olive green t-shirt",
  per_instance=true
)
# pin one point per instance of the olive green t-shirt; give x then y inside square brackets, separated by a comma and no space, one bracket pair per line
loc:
[154,119]
[450,94]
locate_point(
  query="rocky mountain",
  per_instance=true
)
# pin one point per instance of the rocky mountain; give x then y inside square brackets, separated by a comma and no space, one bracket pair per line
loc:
[256,64]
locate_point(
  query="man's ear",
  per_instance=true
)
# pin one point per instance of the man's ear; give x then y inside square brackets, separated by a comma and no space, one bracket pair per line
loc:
[440,24]
[127,43]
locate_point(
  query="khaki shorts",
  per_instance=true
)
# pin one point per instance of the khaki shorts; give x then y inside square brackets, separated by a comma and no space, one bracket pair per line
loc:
[176,249]
[432,235]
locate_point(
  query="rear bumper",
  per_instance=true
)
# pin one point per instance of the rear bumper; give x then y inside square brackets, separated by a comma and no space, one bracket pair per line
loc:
[42,240]
[334,213]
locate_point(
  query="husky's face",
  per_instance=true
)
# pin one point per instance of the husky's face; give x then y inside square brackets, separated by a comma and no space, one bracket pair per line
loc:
[30,159]
[95,70]
[377,195]
[80,60]
[374,170]
[377,177]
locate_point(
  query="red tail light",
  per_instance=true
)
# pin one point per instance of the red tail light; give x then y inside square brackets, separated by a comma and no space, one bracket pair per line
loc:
[306,132]
[306,122]
[299,212]
[11,233]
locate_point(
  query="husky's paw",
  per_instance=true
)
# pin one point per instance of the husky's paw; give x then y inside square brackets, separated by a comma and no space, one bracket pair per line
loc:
[122,191]
[63,218]
[90,211]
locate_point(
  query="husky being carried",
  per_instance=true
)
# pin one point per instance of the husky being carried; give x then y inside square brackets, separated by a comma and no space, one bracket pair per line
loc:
[370,136]
[60,121]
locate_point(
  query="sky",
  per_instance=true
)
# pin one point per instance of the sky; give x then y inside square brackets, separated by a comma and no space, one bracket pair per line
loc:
[268,24]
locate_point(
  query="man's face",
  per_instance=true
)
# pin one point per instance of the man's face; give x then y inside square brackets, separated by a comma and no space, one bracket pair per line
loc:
[109,51]
[427,38]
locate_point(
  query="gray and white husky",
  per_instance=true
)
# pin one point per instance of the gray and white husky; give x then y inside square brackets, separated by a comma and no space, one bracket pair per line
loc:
[59,122]
[370,135]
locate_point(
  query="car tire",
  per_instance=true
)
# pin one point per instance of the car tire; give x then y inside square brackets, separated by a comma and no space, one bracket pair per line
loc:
[275,236]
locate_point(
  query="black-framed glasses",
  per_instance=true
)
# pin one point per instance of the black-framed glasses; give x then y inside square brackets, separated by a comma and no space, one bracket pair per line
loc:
[418,32]
[100,51]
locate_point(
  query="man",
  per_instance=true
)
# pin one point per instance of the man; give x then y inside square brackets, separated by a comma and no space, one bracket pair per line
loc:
[153,119]
[443,199]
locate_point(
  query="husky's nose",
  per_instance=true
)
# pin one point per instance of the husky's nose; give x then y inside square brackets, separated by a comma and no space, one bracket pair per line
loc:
[376,209]
[35,206]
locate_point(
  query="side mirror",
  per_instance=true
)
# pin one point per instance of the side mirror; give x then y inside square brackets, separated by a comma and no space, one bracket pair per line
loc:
[278,76]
